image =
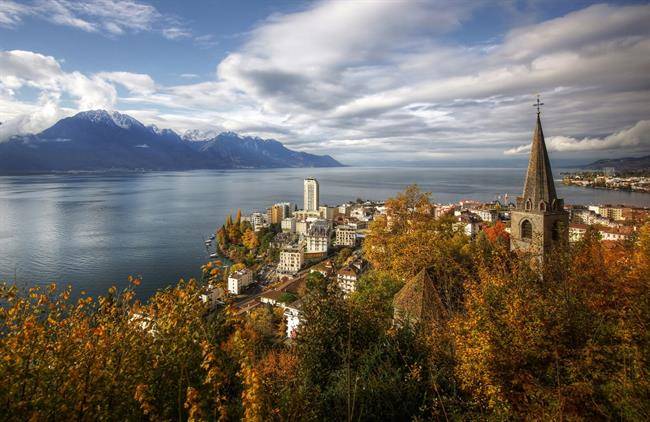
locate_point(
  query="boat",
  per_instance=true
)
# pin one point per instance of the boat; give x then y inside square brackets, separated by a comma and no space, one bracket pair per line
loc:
[208,242]
[212,237]
[214,255]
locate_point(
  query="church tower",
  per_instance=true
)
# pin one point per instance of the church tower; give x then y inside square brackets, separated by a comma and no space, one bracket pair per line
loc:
[539,219]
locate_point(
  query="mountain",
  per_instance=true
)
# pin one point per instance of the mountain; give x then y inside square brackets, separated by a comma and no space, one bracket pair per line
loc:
[99,141]
[254,152]
[622,164]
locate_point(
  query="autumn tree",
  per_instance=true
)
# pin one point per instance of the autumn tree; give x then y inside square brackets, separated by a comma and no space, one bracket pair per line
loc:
[249,240]
[112,357]
[557,339]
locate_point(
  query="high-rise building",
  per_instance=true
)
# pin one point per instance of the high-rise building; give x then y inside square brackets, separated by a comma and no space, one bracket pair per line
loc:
[539,220]
[278,212]
[311,194]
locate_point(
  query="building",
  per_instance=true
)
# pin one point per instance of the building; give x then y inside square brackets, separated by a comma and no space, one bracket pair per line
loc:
[288,225]
[608,211]
[239,280]
[213,296]
[292,315]
[327,213]
[489,215]
[418,302]
[347,278]
[302,215]
[311,195]
[468,223]
[291,259]
[302,227]
[279,212]
[318,237]
[539,219]
[258,221]
[325,268]
[346,236]
[577,232]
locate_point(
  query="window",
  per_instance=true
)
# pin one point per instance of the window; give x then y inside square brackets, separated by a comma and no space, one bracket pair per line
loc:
[558,228]
[528,205]
[542,206]
[526,230]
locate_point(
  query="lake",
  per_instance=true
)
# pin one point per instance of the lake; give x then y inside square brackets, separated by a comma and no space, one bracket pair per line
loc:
[93,231]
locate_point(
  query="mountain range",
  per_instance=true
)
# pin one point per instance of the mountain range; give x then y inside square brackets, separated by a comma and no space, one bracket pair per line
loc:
[99,140]
[622,164]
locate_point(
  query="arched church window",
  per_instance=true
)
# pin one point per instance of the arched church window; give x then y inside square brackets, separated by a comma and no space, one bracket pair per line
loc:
[526,230]
[528,205]
[542,206]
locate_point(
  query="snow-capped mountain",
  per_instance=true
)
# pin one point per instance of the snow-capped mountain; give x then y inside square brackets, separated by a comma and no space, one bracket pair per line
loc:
[98,140]
[197,135]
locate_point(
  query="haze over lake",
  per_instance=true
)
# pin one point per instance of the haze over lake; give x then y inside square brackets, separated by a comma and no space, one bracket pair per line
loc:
[93,231]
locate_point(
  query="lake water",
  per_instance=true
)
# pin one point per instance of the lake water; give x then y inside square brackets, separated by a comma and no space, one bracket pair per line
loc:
[93,231]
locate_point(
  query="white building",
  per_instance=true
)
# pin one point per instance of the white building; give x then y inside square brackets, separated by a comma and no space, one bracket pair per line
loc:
[486,215]
[318,237]
[468,223]
[311,194]
[344,209]
[291,260]
[292,314]
[347,278]
[258,220]
[346,236]
[288,225]
[577,232]
[239,280]
[301,227]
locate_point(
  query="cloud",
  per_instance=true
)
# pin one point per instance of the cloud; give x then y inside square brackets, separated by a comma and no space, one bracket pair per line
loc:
[205,41]
[383,72]
[11,13]
[20,69]
[175,33]
[389,79]
[113,17]
[136,83]
[635,138]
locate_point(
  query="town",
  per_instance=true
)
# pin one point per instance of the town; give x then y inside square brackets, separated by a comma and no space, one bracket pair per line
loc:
[609,179]
[291,243]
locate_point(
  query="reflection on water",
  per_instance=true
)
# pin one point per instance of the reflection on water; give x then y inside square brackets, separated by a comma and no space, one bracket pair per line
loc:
[94,230]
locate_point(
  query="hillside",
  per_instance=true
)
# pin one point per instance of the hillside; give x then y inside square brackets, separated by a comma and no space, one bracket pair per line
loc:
[621,164]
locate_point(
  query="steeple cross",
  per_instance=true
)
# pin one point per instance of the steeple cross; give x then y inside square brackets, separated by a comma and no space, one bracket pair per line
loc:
[538,104]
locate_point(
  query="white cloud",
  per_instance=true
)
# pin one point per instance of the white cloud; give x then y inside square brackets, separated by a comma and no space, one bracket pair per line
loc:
[111,17]
[175,33]
[11,13]
[635,138]
[20,69]
[136,83]
[380,79]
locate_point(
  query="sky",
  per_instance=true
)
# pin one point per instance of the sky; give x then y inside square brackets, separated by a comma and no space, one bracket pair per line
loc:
[364,81]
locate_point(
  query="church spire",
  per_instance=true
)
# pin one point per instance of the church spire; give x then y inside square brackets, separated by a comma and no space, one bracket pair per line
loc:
[539,184]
